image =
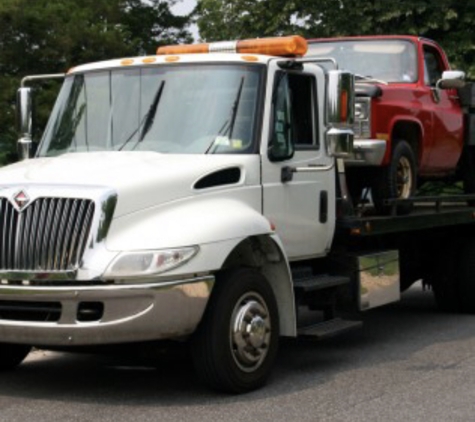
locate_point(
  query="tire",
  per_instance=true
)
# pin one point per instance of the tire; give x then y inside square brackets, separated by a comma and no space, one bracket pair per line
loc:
[468,172]
[453,280]
[445,292]
[466,277]
[11,355]
[398,180]
[225,355]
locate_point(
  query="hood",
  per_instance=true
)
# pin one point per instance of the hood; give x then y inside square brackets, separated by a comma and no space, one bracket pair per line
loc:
[141,179]
[367,90]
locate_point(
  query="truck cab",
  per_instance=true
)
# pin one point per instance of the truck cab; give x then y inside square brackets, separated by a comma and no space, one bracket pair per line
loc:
[168,198]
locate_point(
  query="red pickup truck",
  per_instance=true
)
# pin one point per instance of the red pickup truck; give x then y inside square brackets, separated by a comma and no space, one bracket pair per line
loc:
[410,123]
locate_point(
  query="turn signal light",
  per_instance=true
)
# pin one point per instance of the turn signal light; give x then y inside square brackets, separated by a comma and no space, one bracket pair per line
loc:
[278,46]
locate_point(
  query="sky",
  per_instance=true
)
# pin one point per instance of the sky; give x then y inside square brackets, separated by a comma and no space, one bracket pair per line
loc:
[182,7]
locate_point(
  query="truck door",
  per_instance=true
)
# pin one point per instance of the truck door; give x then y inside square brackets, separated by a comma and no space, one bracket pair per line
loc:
[447,118]
[300,204]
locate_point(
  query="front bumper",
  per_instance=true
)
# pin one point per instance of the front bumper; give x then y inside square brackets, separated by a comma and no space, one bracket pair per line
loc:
[367,152]
[57,316]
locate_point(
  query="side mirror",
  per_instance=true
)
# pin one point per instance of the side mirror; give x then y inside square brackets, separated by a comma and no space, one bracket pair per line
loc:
[341,97]
[451,79]
[340,113]
[24,109]
[339,142]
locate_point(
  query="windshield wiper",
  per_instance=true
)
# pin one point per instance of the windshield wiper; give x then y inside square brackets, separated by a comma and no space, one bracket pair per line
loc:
[229,124]
[147,120]
[150,117]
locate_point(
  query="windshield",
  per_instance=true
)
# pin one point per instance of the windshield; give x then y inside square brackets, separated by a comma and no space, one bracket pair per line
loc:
[169,109]
[387,60]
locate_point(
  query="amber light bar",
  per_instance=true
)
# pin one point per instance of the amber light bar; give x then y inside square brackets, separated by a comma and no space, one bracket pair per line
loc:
[278,46]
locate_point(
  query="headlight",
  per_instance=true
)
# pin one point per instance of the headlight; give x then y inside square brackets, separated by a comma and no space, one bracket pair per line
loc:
[148,263]
[361,110]
[362,126]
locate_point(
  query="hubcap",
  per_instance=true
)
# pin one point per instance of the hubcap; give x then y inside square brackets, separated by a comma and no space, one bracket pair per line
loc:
[250,332]
[404,178]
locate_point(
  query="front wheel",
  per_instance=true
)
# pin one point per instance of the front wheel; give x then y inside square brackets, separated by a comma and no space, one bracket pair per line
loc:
[236,343]
[11,355]
[397,180]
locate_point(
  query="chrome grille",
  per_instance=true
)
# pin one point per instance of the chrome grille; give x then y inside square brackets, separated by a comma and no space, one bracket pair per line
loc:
[49,235]
[361,129]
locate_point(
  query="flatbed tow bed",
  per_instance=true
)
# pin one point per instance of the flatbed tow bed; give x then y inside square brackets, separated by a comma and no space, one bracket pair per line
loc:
[435,243]
[428,213]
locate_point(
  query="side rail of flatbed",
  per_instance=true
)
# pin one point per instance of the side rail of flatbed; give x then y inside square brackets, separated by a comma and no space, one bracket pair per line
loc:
[428,212]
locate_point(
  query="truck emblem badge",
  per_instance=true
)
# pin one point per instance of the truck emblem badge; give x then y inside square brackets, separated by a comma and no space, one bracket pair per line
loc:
[21,200]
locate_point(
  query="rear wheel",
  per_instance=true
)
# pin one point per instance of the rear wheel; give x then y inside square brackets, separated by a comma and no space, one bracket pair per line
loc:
[397,180]
[11,355]
[468,171]
[236,343]
[453,279]
[466,277]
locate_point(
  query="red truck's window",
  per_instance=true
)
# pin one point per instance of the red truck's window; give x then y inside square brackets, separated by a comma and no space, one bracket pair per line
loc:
[387,60]
[432,66]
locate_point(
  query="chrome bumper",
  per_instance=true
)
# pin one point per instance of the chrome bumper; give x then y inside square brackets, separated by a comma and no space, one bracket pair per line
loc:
[367,152]
[132,312]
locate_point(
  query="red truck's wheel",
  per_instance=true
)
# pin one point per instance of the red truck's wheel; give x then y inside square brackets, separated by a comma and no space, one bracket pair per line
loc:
[11,355]
[236,343]
[397,180]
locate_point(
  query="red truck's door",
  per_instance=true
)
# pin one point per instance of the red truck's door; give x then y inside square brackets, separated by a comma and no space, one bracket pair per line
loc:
[447,118]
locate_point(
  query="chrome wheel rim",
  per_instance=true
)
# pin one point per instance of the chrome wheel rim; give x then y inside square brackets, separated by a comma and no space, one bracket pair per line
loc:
[404,178]
[250,332]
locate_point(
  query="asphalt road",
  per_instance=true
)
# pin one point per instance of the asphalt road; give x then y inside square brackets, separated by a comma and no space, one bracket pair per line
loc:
[408,363]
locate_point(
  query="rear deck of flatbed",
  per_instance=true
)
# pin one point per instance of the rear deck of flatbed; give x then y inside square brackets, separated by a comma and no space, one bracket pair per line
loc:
[427,213]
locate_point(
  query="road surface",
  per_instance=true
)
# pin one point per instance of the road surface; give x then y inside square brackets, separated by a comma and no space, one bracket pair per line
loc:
[408,363]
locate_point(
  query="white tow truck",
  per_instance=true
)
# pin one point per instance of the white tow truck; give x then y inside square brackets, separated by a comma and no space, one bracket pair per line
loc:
[199,194]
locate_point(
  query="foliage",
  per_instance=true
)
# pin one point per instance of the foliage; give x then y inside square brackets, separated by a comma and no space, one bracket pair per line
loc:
[447,21]
[50,36]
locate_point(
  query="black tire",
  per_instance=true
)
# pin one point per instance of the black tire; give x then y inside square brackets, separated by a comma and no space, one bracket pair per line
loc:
[453,278]
[468,172]
[445,295]
[398,180]
[466,277]
[226,357]
[11,355]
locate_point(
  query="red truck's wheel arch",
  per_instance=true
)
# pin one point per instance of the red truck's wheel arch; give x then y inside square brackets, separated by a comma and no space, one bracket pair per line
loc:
[409,130]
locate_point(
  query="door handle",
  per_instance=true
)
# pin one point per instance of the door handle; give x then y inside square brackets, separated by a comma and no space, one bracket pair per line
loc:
[287,172]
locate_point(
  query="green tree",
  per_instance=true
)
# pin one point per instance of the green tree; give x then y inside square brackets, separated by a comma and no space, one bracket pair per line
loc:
[447,21]
[51,36]
[238,19]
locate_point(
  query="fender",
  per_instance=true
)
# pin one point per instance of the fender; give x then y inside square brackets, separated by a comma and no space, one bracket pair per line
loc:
[222,228]
[391,129]
[214,224]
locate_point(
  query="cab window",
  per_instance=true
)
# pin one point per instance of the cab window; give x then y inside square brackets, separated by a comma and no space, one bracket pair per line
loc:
[294,112]
[433,66]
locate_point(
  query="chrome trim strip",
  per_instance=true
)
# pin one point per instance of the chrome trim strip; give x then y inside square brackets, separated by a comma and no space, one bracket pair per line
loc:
[314,168]
[26,291]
